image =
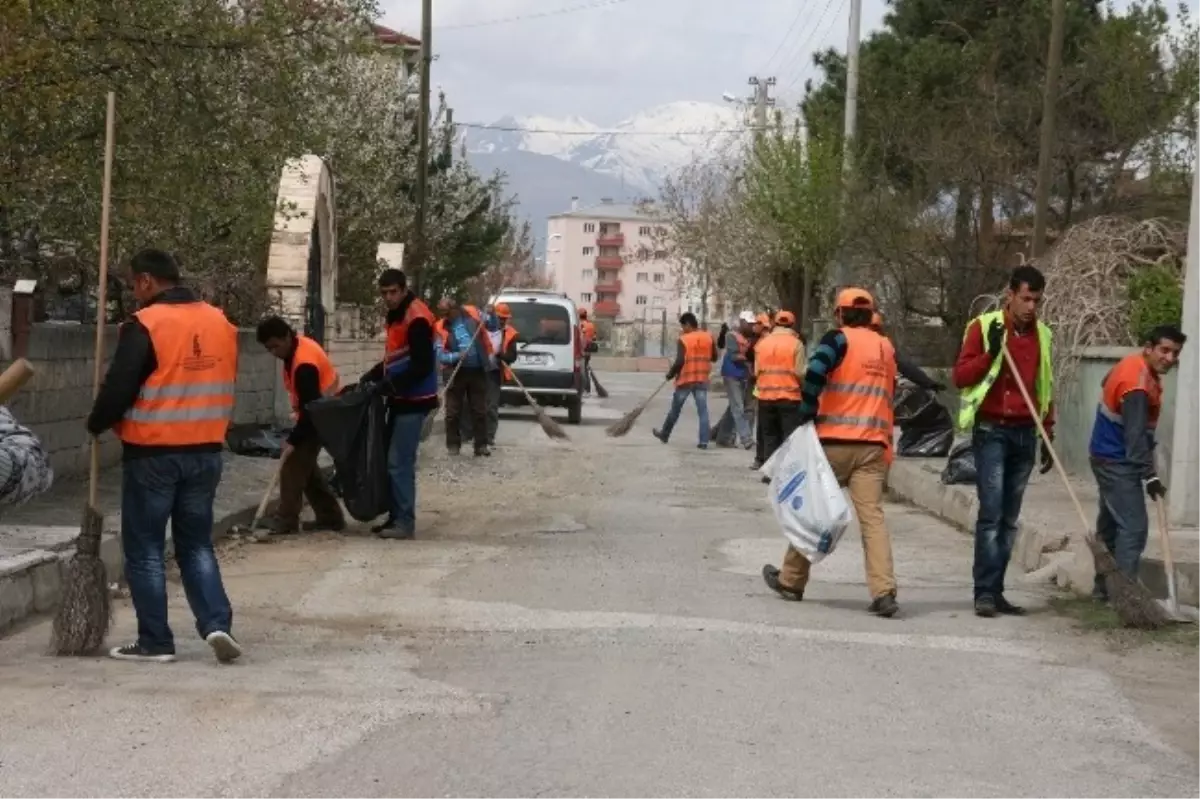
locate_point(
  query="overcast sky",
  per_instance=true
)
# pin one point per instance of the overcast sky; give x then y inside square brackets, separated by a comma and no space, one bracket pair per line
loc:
[604,60]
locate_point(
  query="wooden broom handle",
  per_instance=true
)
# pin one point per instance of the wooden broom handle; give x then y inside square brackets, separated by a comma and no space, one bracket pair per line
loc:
[102,289]
[15,376]
[1037,420]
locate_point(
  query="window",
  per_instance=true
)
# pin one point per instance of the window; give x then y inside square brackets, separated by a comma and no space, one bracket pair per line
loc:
[585,296]
[589,227]
[644,230]
[641,299]
[539,323]
[658,277]
[642,277]
[660,255]
[657,302]
[587,274]
[589,250]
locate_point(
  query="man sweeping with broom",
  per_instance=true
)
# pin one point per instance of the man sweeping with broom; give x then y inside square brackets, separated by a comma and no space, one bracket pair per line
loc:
[1004,433]
[168,395]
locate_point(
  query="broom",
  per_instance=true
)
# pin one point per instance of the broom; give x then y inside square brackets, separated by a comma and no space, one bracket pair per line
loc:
[1132,602]
[86,608]
[600,391]
[625,423]
[427,425]
[550,427]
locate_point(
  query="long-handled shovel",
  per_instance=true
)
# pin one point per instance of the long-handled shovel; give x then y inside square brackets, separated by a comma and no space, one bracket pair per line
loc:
[1171,603]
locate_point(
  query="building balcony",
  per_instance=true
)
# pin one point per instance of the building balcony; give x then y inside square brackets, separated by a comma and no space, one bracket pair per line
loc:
[609,262]
[610,239]
[608,285]
[607,308]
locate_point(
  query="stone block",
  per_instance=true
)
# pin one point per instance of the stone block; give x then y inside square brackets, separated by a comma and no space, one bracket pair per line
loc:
[16,598]
[47,581]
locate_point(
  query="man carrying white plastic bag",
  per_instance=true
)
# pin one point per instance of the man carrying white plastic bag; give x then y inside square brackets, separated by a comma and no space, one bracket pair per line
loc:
[847,394]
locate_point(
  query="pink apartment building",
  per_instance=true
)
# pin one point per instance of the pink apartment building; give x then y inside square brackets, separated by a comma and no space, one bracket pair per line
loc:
[603,257]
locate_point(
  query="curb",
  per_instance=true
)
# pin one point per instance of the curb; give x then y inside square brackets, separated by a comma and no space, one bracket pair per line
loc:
[1042,553]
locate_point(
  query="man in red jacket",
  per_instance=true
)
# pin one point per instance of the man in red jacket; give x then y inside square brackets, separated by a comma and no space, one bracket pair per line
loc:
[1004,436]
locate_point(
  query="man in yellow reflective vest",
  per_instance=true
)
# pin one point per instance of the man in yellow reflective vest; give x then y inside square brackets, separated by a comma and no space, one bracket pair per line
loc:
[1003,434]
[308,375]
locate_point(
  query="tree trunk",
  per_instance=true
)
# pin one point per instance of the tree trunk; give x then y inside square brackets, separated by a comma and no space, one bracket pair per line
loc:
[959,294]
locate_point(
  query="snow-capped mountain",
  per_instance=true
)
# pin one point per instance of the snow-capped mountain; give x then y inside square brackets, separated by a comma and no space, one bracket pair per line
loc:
[637,152]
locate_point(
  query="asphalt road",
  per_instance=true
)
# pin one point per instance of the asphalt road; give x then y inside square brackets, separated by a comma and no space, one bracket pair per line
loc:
[587,619]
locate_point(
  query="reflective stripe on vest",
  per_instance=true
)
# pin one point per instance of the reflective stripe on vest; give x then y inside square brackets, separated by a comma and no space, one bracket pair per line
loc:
[188,399]
[775,368]
[697,358]
[971,398]
[310,353]
[856,404]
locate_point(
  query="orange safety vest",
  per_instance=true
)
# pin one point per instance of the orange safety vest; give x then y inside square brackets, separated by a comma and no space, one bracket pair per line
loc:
[188,399]
[397,347]
[588,331]
[856,404]
[310,353]
[697,358]
[775,368]
[510,335]
[1131,374]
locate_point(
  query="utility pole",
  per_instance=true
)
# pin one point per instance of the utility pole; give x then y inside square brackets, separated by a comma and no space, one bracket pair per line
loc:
[418,242]
[761,100]
[851,117]
[1058,11]
[1183,498]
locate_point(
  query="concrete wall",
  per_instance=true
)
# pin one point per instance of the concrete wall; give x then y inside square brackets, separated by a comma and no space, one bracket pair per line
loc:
[55,404]
[1077,410]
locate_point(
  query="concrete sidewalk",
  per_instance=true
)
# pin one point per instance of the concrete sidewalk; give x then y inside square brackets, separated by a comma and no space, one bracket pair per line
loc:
[1050,545]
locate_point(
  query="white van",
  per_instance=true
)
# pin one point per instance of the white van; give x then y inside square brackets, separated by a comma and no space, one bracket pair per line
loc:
[549,350]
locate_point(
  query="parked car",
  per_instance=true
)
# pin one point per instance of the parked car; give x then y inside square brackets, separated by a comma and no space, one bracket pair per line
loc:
[549,350]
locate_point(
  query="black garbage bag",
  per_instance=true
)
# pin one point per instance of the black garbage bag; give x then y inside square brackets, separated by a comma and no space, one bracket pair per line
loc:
[917,407]
[932,443]
[960,466]
[926,427]
[256,441]
[353,429]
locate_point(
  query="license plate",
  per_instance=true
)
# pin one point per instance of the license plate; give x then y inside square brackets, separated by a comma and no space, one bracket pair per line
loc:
[533,360]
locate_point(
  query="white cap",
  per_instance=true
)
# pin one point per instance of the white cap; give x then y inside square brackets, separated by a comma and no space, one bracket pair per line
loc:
[747,316]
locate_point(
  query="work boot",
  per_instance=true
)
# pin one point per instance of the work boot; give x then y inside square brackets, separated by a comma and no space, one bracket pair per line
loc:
[884,606]
[985,606]
[771,578]
[1006,608]
[324,526]
[659,435]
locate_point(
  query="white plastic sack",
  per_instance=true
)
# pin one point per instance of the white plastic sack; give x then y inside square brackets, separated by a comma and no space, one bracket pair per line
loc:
[805,496]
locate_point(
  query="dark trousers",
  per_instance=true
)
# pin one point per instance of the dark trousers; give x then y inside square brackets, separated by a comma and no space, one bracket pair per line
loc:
[777,420]
[467,394]
[495,379]
[587,373]
[1004,459]
[180,487]
[300,478]
[1122,524]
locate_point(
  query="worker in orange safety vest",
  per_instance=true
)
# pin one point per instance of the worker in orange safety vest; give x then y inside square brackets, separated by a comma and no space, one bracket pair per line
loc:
[308,375]
[778,372]
[465,353]
[694,357]
[847,391]
[169,395]
[504,347]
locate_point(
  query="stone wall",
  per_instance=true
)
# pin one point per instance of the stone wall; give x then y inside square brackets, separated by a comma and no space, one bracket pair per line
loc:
[56,402]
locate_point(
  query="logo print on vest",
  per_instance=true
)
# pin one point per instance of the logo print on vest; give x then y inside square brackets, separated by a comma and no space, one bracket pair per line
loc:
[198,361]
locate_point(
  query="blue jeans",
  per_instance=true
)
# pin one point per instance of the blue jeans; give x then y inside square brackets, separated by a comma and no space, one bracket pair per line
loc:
[402,467]
[1004,459]
[1122,523]
[736,389]
[180,487]
[697,391]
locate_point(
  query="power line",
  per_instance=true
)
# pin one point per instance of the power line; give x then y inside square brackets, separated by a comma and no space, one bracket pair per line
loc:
[513,129]
[538,15]
[783,41]
[800,73]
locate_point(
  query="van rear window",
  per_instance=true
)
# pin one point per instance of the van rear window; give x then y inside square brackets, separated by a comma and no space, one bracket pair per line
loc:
[540,324]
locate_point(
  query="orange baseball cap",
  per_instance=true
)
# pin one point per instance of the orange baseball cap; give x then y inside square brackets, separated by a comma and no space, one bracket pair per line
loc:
[785,318]
[502,310]
[855,298]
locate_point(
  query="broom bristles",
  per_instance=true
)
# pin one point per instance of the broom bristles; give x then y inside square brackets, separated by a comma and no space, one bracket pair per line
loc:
[550,427]
[600,391]
[1133,604]
[83,617]
[625,423]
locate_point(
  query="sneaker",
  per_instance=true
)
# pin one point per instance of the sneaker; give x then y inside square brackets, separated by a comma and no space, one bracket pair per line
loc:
[765,480]
[885,606]
[756,465]
[319,526]
[223,646]
[1006,608]
[396,532]
[483,452]
[385,524]
[659,435]
[702,446]
[748,446]
[985,606]
[771,578]
[140,653]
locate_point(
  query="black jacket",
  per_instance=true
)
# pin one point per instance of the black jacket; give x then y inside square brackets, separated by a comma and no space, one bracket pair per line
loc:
[132,363]
[307,384]
[420,363]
